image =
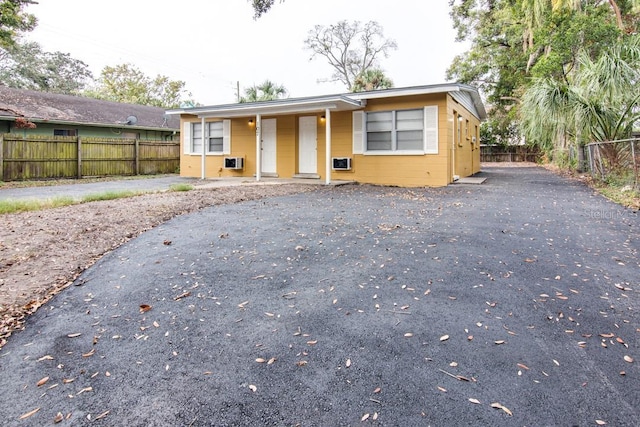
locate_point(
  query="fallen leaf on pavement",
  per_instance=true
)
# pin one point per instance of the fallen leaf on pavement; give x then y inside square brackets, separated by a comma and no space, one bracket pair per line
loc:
[365,417]
[253,388]
[628,359]
[101,416]
[74,335]
[144,308]
[500,406]
[476,401]
[42,381]
[59,417]
[28,414]
[444,337]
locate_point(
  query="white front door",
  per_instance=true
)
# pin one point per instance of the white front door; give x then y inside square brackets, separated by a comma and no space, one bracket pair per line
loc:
[269,146]
[308,145]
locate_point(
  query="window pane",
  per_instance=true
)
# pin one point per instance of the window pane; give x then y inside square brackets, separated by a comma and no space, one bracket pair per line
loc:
[378,140]
[409,114]
[409,120]
[215,145]
[410,140]
[379,121]
[215,129]
[196,138]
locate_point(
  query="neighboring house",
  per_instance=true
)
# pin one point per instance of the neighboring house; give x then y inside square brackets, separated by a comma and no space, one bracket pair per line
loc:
[27,112]
[412,137]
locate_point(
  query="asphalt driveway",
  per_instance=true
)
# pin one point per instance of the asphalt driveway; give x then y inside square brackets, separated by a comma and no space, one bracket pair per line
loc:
[512,303]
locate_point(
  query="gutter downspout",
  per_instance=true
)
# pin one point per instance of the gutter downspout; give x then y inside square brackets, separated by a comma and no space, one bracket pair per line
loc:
[258,147]
[202,165]
[327,133]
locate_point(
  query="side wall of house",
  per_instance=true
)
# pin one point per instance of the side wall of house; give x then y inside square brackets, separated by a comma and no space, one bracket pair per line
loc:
[464,139]
[91,131]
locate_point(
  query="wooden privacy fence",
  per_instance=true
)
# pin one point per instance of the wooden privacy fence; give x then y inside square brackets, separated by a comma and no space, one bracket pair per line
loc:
[509,153]
[621,158]
[47,157]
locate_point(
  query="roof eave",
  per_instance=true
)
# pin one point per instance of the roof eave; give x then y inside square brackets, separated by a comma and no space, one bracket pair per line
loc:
[100,125]
[277,107]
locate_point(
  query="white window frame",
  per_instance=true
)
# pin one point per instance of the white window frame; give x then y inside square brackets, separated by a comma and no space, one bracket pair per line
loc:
[225,133]
[429,133]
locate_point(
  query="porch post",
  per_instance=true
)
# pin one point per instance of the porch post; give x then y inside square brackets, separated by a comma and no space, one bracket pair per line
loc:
[258,147]
[327,133]
[204,150]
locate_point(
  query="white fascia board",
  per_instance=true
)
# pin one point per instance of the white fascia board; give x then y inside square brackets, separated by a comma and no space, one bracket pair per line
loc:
[285,106]
[407,91]
[426,90]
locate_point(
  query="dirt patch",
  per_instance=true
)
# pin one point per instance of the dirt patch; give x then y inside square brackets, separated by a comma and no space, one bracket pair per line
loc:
[42,252]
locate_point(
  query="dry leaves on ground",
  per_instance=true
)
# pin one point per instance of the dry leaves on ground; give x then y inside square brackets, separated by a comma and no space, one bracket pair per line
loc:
[43,252]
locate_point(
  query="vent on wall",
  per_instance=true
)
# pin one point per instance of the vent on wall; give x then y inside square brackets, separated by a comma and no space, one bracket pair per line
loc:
[233,163]
[341,163]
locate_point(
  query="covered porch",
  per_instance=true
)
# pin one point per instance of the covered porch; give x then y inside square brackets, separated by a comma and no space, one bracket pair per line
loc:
[263,115]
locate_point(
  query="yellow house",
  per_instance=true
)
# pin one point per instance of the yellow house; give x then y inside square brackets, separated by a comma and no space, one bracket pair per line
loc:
[410,137]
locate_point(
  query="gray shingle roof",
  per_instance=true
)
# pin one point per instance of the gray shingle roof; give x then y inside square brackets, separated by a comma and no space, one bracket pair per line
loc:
[45,106]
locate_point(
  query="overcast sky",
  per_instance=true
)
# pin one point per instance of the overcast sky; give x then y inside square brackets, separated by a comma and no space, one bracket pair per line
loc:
[213,44]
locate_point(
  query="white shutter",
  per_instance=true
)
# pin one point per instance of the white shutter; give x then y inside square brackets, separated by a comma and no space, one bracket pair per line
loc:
[358,132]
[226,137]
[431,129]
[186,137]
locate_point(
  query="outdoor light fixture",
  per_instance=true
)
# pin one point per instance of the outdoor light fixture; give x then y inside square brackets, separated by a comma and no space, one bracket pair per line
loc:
[250,122]
[322,118]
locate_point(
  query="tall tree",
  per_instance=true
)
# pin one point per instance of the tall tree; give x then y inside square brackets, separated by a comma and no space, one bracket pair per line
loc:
[599,102]
[260,7]
[14,20]
[125,83]
[515,41]
[27,66]
[266,91]
[350,48]
[371,79]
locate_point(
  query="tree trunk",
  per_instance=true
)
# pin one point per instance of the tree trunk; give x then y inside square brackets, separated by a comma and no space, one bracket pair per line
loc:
[616,10]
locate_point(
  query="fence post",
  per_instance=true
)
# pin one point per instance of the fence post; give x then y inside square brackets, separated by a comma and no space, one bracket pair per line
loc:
[633,156]
[137,156]
[79,157]
[1,157]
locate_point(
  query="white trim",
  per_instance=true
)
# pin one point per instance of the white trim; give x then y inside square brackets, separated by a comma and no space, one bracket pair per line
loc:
[358,131]
[431,136]
[394,153]
[204,151]
[327,132]
[258,147]
[226,137]
[186,137]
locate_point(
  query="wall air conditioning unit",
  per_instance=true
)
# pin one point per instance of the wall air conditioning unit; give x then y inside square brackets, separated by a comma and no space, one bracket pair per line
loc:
[341,163]
[234,163]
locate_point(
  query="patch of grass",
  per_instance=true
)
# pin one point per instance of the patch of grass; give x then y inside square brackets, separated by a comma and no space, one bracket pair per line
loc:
[15,206]
[181,187]
[108,195]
